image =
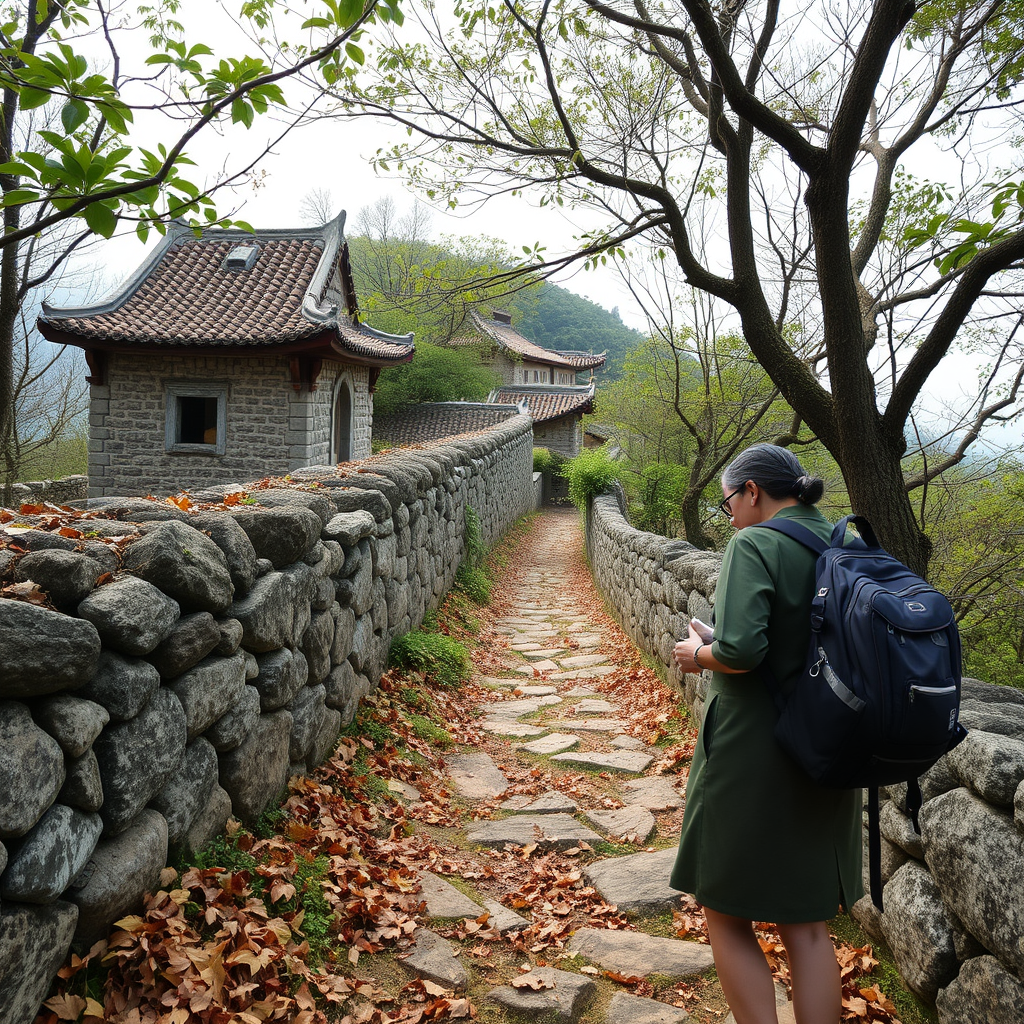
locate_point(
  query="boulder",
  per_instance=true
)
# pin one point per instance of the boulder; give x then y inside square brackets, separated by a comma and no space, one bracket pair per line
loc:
[72,721]
[68,577]
[344,633]
[51,855]
[34,942]
[238,551]
[192,639]
[990,764]
[230,637]
[282,674]
[898,829]
[984,992]
[119,873]
[271,614]
[282,535]
[209,691]
[977,858]
[187,791]
[255,773]
[137,757]
[44,651]
[356,591]
[345,689]
[349,528]
[323,595]
[917,928]
[208,824]
[308,713]
[121,685]
[31,767]
[559,999]
[316,645]
[131,615]
[185,564]
[83,787]
[232,727]
[325,741]
[1004,718]
[351,499]
[286,498]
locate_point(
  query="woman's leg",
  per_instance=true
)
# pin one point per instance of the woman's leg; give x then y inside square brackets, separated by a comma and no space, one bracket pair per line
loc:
[742,969]
[817,991]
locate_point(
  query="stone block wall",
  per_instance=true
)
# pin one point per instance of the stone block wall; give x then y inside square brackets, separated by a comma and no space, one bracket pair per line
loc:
[270,428]
[954,894]
[223,654]
[564,435]
[57,492]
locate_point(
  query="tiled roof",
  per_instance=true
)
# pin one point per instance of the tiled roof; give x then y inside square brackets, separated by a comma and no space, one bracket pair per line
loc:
[548,403]
[507,337]
[187,296]
[432,421]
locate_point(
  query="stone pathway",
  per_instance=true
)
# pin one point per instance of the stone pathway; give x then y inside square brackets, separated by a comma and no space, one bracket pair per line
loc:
[559,724]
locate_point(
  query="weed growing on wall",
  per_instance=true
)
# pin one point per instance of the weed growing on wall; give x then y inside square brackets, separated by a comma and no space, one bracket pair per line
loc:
[471,577]
[589,474]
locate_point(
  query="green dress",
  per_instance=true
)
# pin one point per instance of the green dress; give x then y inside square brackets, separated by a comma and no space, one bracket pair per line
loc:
[760,840]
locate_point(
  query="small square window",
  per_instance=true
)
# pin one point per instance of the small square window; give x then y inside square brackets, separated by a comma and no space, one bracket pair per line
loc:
[196,418]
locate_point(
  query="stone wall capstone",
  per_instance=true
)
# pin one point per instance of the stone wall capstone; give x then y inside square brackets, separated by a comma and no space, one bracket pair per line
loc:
[954,914]
[223,656]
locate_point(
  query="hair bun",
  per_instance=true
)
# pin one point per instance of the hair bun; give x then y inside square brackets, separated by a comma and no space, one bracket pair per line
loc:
[808,489]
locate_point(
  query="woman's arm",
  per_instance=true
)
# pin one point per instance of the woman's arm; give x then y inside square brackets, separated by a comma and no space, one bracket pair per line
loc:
[684,651]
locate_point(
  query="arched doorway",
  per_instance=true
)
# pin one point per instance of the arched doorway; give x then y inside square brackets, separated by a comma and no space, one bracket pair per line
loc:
[341,422]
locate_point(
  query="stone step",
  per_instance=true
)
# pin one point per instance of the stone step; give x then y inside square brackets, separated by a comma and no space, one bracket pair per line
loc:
[637,882]
[510,727]
[562,997]
[551,802]
[444,900]
[584,660]
[639,955]
[548,831]
[655,792]
[433,958]
[626,1008]
[626,821]
[632,761]
[554,743]
[475,776]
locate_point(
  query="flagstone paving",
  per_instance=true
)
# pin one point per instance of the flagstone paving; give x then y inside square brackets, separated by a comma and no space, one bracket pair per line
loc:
[579,743]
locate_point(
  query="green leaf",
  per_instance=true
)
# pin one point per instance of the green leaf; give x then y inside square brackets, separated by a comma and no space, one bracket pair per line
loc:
[17,196]
[101,219]
[29,98]
[355,53]
[73,114]
[142,230]
[241,111]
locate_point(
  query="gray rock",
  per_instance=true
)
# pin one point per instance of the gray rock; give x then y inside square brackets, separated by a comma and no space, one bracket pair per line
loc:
[282,535]
[548,831]
[46,861]
[345,689]
[356,591]
[869,917]
[83,787]
[783,1007]
[121,685]
[209,691]
[349,528]
[899,830]
[917,928]
[192,639]
[344,633]
[624,822]
[503,919]
[238,551]
[362,646]
[990,764]
[434,958]
[72,721]
[256,772]
[629,1009]
[1004,718]
[655,792]
[271,613]
[443,900]
[323,595]
[208,824]
[282,674]
[62,655]
[316,645]
[510,727]
[632,761]
[325,740]
[977,859]
[287,498]
[563,999]
[984,992]
[1018,807]
[32,769]
[66,576]
[308,713]
[553,743]
[118,875]
[547,803]
[638,955]
[989,693]
[137,757]
[185,794]
[232,727]
[230,637]
[185,564]
[33,944]
[350,499]
[475,776]
[131,615]
[638,882]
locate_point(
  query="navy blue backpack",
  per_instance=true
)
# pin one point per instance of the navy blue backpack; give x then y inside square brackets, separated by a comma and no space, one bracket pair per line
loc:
[879,699]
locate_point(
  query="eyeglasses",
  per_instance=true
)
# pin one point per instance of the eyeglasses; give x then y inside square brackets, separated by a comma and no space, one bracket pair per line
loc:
[723,506]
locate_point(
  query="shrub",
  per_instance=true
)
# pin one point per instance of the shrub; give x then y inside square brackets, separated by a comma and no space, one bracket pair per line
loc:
[547,461]
[474,583]
[441,659]
[589,474]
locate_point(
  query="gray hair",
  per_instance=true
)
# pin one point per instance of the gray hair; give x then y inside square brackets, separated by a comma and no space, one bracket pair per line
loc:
[775,470]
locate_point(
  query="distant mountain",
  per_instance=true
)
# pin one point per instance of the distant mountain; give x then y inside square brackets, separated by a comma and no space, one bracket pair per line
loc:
[560,319]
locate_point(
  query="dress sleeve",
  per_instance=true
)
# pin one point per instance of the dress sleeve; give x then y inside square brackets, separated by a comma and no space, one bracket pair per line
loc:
[743,603]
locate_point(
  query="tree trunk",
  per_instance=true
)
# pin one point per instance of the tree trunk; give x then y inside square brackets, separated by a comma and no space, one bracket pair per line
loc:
[690,514]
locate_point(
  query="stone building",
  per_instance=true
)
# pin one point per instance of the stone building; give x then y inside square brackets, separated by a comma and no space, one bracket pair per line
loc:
[228,356]
[543,379]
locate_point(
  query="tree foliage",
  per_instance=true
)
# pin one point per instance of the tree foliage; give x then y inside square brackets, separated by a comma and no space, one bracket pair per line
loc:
[436,374]
[762,156]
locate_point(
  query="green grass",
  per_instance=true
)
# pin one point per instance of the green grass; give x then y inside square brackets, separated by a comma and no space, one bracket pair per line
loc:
[442,660]
[425,729]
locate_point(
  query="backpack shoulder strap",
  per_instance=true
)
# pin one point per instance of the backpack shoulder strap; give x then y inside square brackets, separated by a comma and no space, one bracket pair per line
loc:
[798,533]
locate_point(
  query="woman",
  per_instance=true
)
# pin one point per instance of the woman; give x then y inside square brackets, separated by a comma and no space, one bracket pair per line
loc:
[760,840]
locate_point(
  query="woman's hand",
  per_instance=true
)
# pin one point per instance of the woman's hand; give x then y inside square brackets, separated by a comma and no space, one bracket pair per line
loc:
[683,651]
